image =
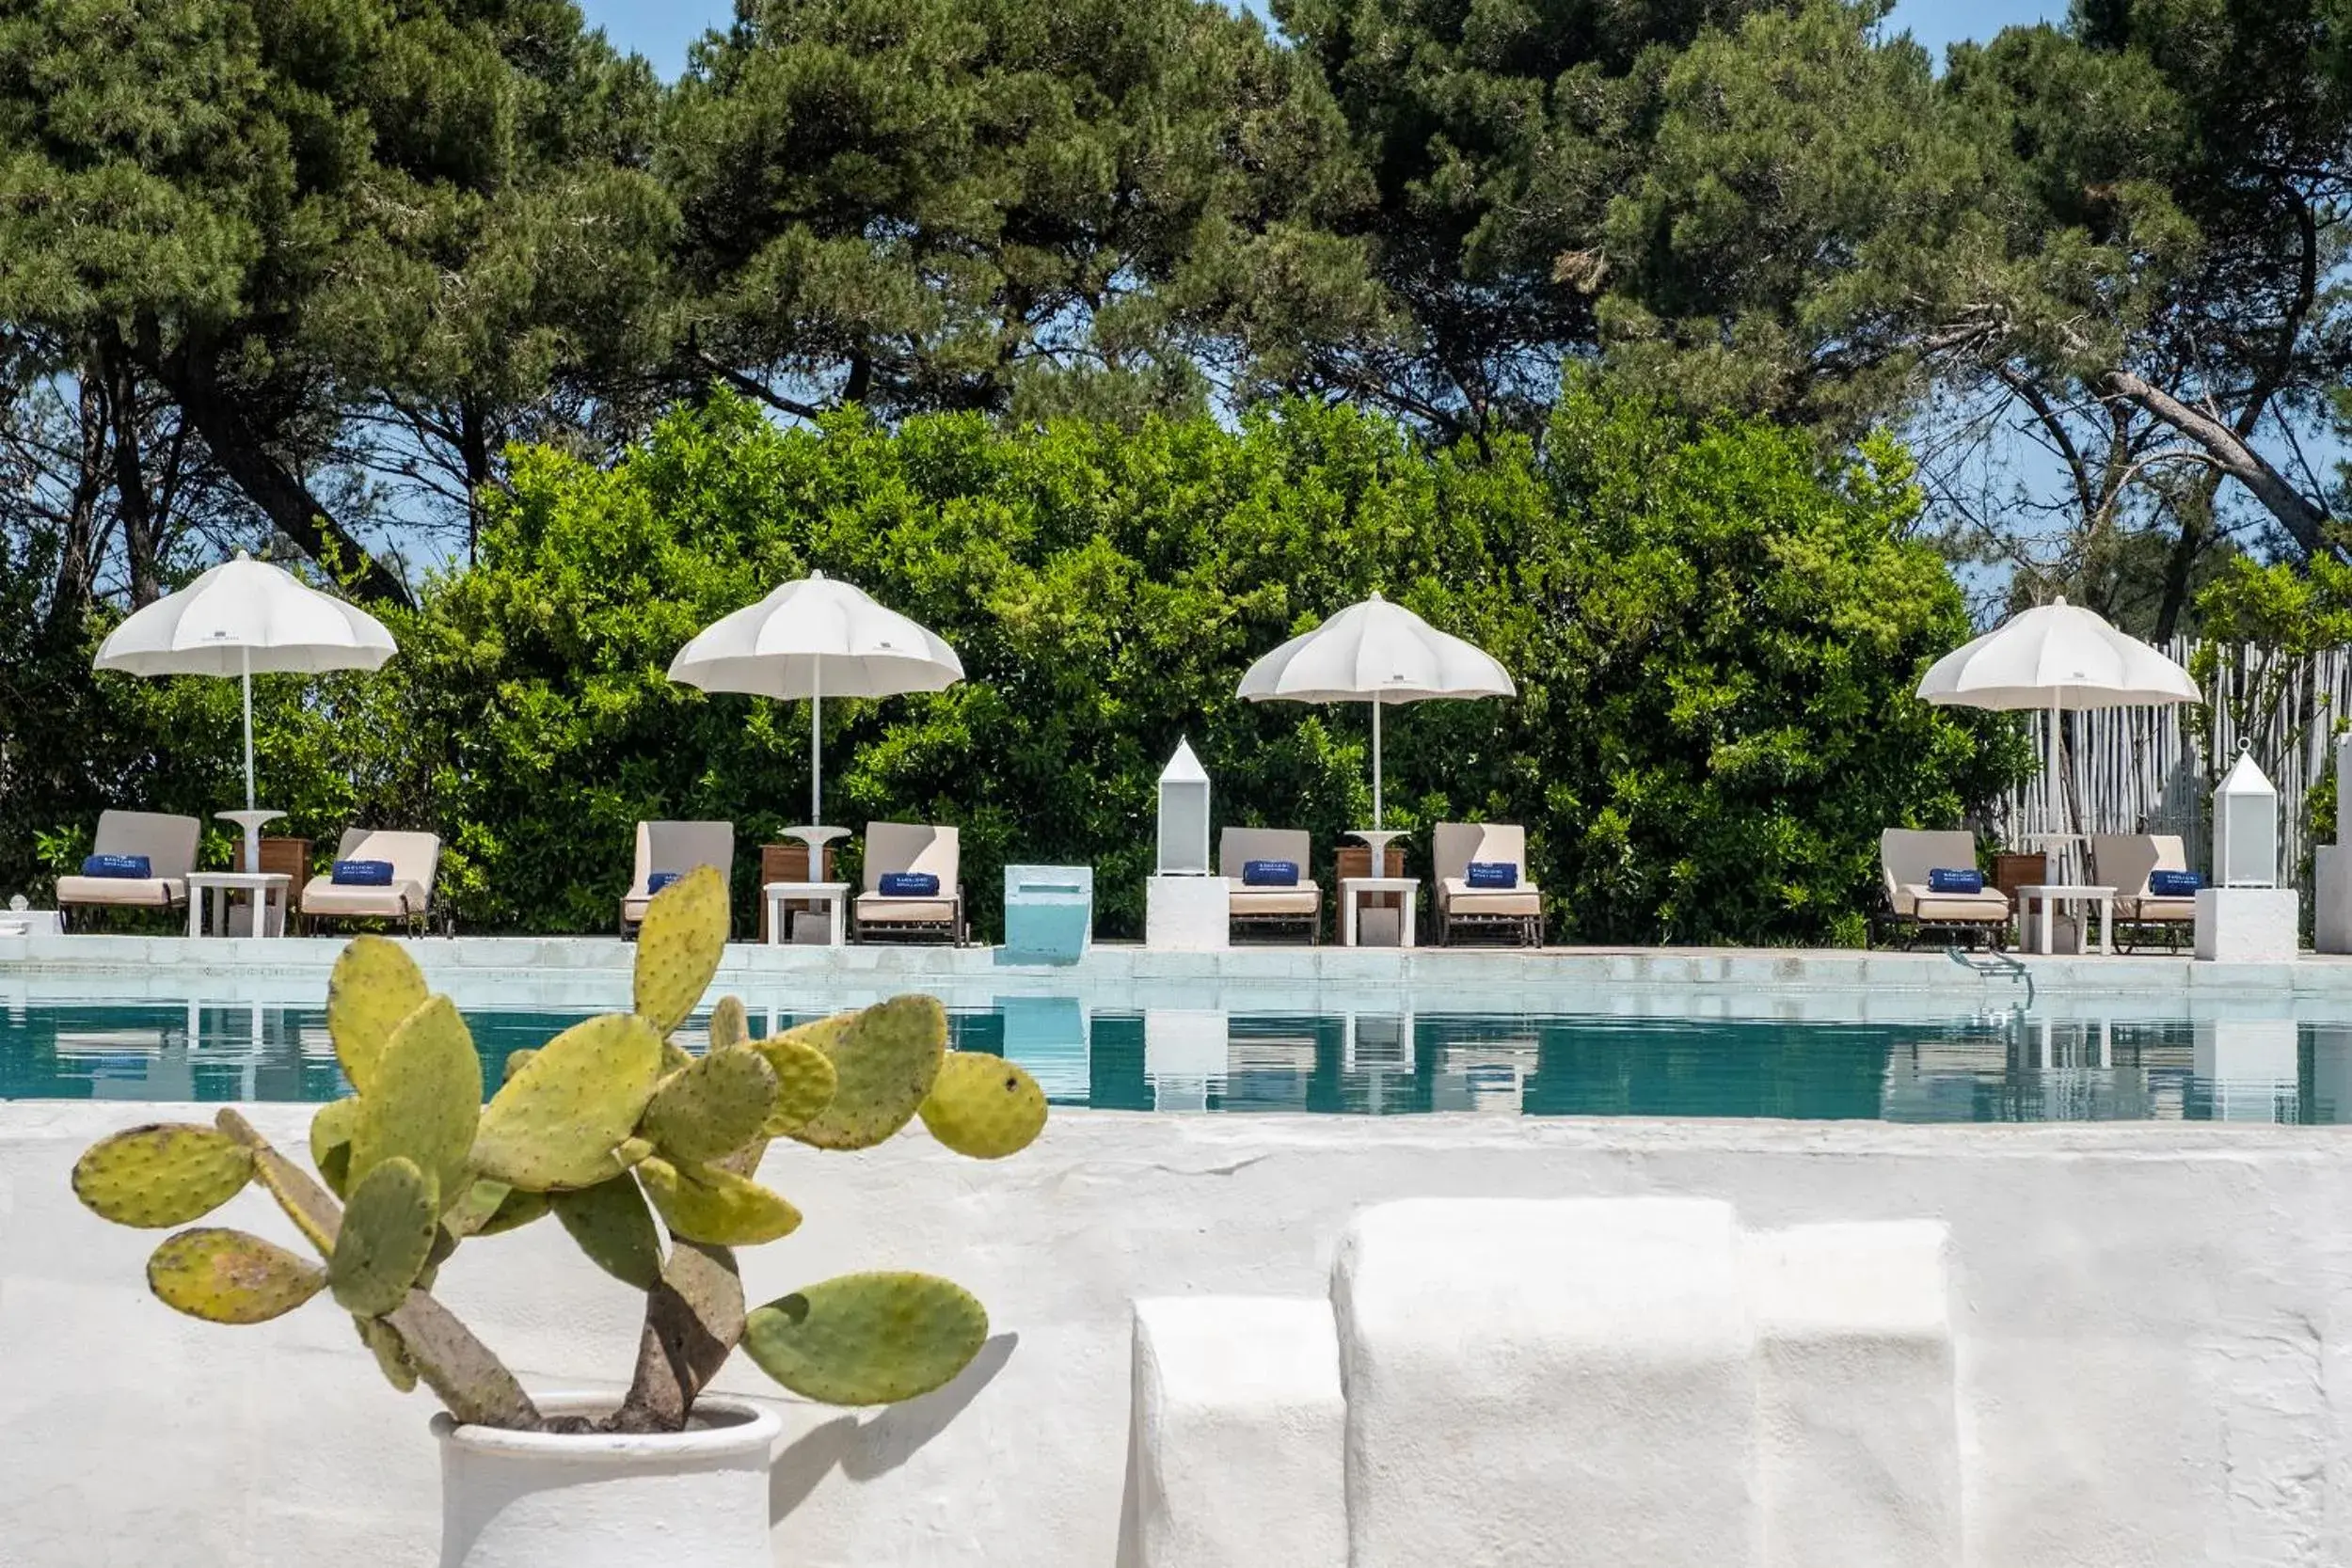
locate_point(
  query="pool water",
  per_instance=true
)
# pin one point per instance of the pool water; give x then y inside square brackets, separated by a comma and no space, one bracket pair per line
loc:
[1982,1068]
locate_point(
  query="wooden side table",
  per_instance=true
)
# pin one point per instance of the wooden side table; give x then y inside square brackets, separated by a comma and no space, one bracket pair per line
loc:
[289,858]
[1353,864]
[788,862]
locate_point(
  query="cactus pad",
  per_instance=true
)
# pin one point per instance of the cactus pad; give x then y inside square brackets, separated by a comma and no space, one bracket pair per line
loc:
[374,985]
[160,1175]
[516,1061]
[391,1351]
[386,1235]
[868,1339]
[984,1106]
[805,1082]
[884,1059]
[425,1101]
[555,1124]
[330,1142]
[614,1228]
[678,947]
[227,1276]
[477,1203]
[717,1208]
[730,1024]
[516,1209]
[715,1106]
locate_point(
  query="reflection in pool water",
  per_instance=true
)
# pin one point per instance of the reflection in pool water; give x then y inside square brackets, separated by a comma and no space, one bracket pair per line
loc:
[1988,1067]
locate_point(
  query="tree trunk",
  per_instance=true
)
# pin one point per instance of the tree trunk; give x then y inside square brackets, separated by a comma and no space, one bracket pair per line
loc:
[473,449]
[2234,455]
[142,533]
[244,456]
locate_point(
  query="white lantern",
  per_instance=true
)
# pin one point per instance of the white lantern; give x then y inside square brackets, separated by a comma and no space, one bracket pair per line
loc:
[2246,827]
[1184,816]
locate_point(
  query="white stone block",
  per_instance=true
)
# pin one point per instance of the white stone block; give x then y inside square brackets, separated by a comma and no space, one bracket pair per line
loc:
[1537,1383]
[1239,1430]
[2331,896]
[1187,914]
[1857,1405]
[2248,925]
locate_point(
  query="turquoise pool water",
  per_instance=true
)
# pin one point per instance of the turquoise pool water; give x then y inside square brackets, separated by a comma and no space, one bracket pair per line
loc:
[2016,1068]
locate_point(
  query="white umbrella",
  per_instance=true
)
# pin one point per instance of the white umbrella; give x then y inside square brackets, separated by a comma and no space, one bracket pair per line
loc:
[2057,657]
[1379,653]
[243,618]
[816,638]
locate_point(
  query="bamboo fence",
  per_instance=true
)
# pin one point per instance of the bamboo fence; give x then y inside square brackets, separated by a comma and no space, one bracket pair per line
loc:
[2151,770]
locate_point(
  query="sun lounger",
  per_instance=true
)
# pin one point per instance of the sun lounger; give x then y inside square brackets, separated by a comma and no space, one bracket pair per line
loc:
[2125,861]
[168,842]
[1906,856]
[415,859]
[675,847]
[1454,848]
[1269,908]
[909,849]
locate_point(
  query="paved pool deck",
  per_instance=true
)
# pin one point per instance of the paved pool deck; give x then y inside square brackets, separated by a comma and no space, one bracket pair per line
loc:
[594,971]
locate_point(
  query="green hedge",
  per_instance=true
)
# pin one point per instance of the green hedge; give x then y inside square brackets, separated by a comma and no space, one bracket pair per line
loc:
[1715,631]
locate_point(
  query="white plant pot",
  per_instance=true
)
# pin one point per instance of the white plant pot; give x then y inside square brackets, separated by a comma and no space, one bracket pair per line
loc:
[696,1499]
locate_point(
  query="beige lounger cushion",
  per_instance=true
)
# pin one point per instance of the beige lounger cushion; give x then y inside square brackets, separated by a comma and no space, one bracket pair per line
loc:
[2157,911]
[1303,901]
[1921,903]
[325,895]
[2125,861]
[675,847]
[151,893]
[1237,847]
[415,857]
[877,909]
[1457,896]
[168,842]
[1454,846]
[1906,855]
[916,846]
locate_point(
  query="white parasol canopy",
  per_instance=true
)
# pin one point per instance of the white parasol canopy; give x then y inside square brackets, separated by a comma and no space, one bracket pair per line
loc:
[1378,653]
[243,618]
[2057,657]
[816,638]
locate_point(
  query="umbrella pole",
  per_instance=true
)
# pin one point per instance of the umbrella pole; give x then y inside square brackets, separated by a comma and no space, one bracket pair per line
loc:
[1376,764]
[816,746]
[244,656]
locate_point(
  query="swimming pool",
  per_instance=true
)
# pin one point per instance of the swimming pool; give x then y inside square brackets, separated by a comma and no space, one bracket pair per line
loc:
[2014,1065]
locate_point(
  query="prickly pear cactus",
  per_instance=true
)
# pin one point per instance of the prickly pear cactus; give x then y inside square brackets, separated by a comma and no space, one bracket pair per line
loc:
[159,1176]
[648,1156]
[984,1106]
[868,1339]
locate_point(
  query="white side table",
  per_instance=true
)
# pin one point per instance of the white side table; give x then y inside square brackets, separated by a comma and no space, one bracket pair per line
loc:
[268,892]
[2037,938]
[1352,890]
[834,896]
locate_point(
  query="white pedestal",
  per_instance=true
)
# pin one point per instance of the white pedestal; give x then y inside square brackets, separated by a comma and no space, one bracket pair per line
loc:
[1548,1384]
[1187,914]
[29,922]
[1239,1430]
[2248,925]
[2331,897]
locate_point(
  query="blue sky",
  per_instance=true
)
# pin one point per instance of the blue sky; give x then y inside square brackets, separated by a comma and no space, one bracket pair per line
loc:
[661,29]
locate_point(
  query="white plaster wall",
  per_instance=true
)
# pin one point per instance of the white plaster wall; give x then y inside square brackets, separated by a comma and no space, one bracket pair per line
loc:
[2153,1327]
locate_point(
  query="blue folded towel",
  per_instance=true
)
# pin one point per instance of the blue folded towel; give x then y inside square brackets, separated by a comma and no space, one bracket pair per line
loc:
[117,866]
[909,884]
[363,873]
[1269,873]
[1493,874]
[1945,879]
[660,879]
[2175,884]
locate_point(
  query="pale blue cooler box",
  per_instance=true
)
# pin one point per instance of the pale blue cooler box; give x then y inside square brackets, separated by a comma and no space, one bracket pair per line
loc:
[1049,913]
